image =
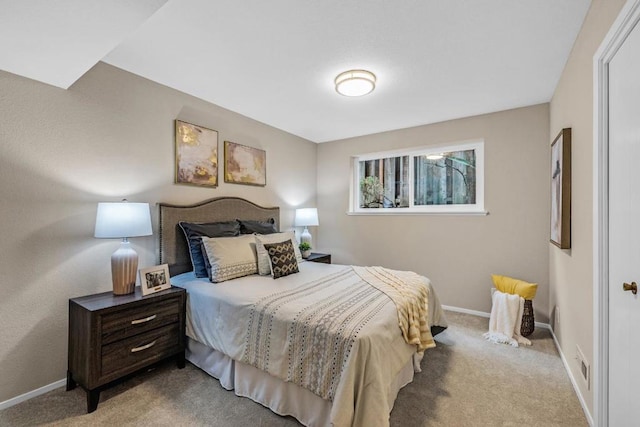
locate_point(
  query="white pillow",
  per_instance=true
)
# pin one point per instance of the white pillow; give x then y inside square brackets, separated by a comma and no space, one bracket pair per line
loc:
[264,265]
[230,257]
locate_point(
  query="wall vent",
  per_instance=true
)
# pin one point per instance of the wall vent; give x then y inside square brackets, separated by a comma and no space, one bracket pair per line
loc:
[585,368]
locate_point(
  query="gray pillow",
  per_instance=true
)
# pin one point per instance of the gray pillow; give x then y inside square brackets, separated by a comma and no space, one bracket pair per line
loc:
[194,232]
[268,226]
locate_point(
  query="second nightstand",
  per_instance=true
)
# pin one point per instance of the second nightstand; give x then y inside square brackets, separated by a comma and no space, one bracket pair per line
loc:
[318,257]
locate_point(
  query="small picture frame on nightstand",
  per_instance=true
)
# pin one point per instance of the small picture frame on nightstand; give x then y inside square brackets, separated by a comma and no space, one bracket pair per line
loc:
[154,279]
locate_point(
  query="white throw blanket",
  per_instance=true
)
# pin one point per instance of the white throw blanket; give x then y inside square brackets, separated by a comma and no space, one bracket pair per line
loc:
[506,319]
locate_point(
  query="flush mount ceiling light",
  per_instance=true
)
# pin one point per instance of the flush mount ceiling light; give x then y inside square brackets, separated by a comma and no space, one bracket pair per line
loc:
[435,156]
[355,82]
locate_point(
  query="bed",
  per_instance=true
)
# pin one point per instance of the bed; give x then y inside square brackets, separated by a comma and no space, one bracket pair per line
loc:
[322,345]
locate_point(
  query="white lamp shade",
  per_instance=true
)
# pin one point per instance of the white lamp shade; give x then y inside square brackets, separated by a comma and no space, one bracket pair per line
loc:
[306,217]
[123,219]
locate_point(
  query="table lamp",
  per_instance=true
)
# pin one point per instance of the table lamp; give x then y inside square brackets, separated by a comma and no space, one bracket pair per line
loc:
[306,217]
[116,220]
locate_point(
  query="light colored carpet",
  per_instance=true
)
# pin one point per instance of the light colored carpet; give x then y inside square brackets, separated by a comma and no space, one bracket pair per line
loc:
[466,381]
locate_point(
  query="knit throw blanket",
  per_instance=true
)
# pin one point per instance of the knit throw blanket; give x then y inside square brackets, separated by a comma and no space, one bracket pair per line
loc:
[409,292]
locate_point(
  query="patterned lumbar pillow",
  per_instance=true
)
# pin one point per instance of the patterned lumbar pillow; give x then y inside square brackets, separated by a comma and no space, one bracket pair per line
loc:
[230,257]
[282,258]
[194,232]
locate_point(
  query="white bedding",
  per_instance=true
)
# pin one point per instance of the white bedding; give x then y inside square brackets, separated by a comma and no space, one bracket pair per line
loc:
[218,317]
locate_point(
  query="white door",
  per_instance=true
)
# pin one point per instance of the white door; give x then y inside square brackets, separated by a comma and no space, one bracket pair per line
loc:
[624,233]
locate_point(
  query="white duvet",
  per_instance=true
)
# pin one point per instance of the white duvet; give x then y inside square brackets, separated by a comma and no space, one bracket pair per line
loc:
[218,316]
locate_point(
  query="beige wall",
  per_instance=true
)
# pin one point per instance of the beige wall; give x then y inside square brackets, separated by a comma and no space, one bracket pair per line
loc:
[61,152]
[458,253]
[571,271]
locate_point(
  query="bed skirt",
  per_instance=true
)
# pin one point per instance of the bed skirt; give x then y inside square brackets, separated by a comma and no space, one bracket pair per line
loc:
[283,398]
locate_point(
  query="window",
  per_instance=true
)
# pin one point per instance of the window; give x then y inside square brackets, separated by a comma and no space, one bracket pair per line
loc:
[420,180]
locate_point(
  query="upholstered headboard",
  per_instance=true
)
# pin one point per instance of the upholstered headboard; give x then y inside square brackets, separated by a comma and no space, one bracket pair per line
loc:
[173,244]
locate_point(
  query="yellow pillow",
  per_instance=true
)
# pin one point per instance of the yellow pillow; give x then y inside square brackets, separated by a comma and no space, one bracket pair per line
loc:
[509,285]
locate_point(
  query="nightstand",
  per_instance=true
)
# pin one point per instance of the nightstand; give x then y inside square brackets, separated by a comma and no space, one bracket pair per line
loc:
[111,336]
[318,257]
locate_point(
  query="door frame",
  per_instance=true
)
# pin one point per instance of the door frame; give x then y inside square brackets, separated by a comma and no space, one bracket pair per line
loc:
[627,19]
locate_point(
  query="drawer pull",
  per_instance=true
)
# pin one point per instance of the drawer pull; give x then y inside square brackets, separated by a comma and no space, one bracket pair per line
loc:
[145,320]
[143,347]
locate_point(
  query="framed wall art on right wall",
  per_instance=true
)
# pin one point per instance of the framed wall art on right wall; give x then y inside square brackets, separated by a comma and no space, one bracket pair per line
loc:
[561,190]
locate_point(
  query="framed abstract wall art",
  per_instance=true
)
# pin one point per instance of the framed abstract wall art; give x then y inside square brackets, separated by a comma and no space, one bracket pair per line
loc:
[244,165]
[561,190]
[196,155]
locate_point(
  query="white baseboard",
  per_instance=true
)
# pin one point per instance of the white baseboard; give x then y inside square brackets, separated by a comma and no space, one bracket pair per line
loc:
[466,311]
[31,394]
[487,315]
[585,409]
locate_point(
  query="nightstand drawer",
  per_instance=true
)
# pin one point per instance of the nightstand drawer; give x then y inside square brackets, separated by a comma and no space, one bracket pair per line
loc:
[131,353]
[145,317]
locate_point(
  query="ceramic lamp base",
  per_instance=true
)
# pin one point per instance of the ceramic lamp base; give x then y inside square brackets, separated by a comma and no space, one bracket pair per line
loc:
[305,236]
[124,266]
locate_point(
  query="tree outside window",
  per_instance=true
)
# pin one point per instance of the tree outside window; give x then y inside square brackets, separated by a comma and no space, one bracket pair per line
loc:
[384,183]
[450,180]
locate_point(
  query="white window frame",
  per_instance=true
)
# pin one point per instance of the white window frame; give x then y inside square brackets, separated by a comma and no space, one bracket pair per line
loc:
[466,209]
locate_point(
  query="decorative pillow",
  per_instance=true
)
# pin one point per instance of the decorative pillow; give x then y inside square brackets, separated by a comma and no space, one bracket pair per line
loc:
[194,233]
[267,226]
[263,258]
[509,285]
[230,257]
[282,258]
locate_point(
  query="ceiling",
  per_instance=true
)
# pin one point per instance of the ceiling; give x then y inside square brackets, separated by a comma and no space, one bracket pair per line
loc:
[275,61]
